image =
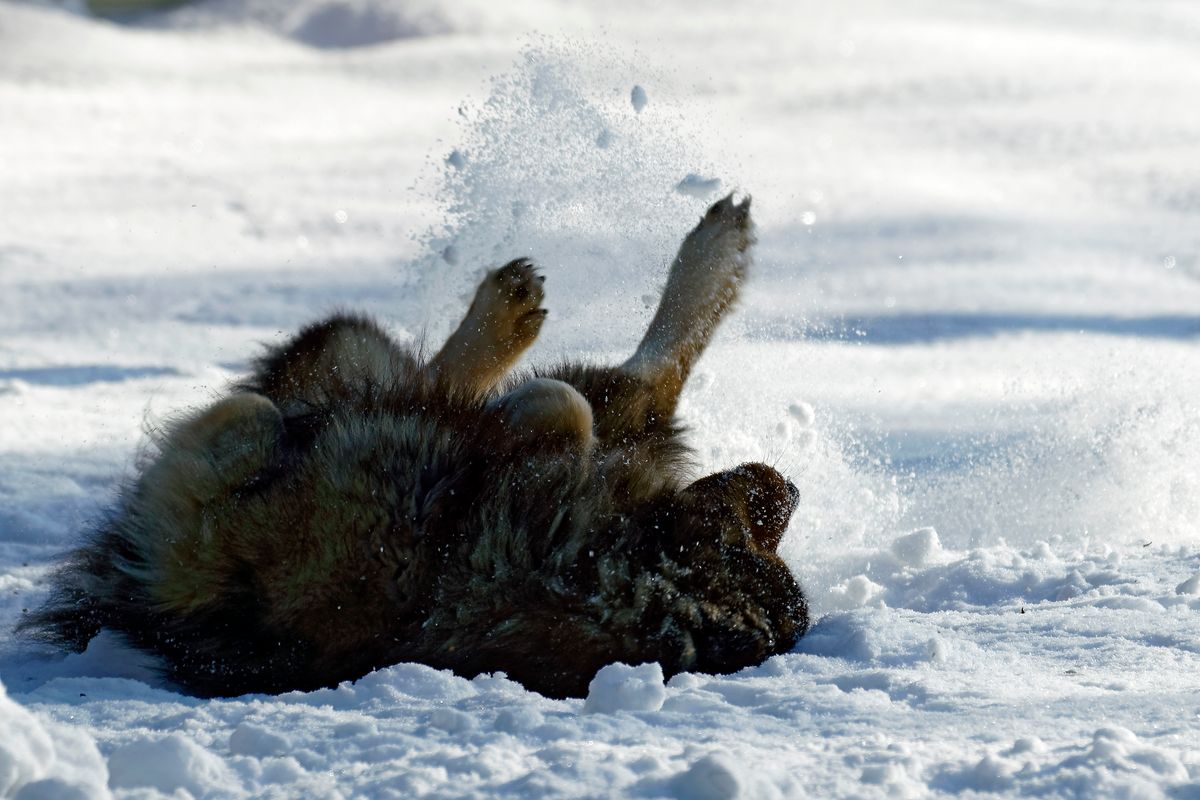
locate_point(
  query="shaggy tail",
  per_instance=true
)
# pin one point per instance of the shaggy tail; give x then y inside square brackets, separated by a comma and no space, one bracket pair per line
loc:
[78,606]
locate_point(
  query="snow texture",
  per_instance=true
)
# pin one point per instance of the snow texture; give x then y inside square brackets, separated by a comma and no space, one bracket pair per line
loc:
[971,337]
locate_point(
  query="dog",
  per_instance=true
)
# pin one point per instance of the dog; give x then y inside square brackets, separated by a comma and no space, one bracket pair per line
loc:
[351,504]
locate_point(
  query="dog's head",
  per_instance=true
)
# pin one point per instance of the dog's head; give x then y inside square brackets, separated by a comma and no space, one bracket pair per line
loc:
[725,530]
[744,507]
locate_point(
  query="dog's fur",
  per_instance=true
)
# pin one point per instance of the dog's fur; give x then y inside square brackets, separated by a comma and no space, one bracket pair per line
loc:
[349,506]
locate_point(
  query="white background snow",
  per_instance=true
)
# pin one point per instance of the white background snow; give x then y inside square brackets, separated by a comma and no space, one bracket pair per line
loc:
[971,339]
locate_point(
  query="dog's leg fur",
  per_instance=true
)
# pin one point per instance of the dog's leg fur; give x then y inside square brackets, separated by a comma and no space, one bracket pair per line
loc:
[703,284]
[501,324]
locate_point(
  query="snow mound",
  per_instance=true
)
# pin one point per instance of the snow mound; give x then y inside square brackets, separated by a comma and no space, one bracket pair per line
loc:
[713,777]
[854,592]
[1190,586]
[40,759]
[916,573]
[916,548]
[168,763]
[620,687]
[254,740]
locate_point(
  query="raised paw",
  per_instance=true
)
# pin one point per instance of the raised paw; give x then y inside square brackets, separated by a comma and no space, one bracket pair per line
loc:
[508,301]
[717,243]
[733,216]
[504,319]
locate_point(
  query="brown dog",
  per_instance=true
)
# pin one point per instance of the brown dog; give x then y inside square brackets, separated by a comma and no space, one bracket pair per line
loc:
[348,506]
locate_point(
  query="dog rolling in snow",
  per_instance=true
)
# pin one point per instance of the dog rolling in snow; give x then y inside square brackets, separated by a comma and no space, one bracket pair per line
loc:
[349,506]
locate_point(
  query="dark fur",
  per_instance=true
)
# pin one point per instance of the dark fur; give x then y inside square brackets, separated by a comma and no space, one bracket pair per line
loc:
[383,515]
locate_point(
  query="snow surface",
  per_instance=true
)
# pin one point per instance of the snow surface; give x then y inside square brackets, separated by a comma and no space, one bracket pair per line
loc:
[970,339]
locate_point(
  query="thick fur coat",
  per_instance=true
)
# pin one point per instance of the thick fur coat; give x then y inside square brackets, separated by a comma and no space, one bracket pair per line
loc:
[348,506]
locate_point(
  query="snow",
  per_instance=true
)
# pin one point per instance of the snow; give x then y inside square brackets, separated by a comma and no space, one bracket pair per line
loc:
[803,413]
[698,186]
[970,339]
[638,98]
[42,759]
[713,777]
[167,763]
[620,687]
[917,548]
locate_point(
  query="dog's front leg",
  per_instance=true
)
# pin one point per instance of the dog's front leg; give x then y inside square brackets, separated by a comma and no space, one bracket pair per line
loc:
[503,321]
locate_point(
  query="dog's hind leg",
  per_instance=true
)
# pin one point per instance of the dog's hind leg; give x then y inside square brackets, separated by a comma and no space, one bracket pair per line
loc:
[637,399]
[205,460]
[501,323]
[704,282]
[548,414]
[221,447]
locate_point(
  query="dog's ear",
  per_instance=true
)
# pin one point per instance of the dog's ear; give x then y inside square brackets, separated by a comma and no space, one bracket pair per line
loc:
[751,501]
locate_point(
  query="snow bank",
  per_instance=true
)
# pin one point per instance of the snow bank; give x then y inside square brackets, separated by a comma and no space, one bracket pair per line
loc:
[41,760]
[360,23]
[1111,464]
[916,573]
[1114,763]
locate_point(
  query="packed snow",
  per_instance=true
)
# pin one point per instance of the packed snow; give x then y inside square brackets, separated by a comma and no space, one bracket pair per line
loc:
[970,338]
